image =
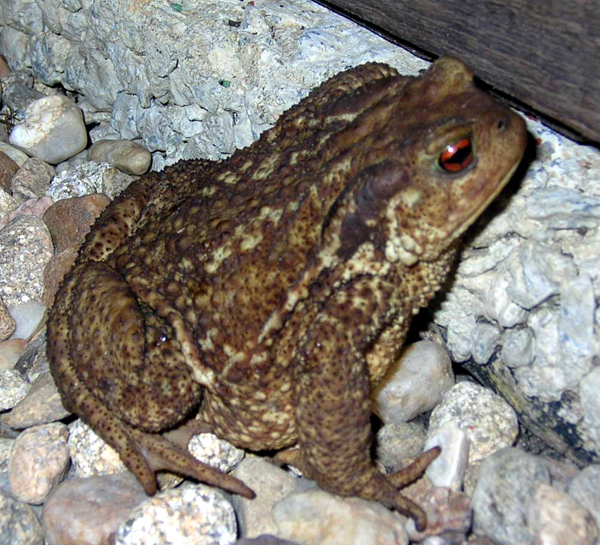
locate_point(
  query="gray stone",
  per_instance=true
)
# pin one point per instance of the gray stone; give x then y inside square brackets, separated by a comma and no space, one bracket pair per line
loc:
[518,347]
[448,469]
[416,384]
[216,452]
[18,523]
[590,403]
[7,323]
[52,129]
[189,514]
[82,180]
[32,180]
[585,488]
[555,518]
[28,318]
[315,516]
[489,422]
[15,154]
[271,484]
[13,388]
[507,484]
[396,442]
[25,249]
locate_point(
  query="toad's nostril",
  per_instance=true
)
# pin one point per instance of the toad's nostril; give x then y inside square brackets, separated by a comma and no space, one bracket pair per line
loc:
[502,124]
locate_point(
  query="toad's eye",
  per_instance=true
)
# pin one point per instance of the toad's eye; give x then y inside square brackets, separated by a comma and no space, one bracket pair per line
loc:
[457,157]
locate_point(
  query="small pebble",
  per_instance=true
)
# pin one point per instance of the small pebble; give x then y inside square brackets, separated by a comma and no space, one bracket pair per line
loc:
[314,516]
[448,516]
[416,384]
[8,168]
[15,154]
[555,518]
[271,484]
[396,442]
[489,422]
[508,481]
[69,220]
[28,317]
[25,249]
[216,452]
[189,515]
[55,271]
[18,523]
[38,462]
[32,180]
[41,405]
[13,388]
[10,352]
[7,204]
[7,323]
[89,511]
[448,469]
[127,156]
[53,130]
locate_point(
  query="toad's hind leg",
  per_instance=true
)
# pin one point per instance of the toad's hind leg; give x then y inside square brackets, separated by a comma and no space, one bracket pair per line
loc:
[130,380]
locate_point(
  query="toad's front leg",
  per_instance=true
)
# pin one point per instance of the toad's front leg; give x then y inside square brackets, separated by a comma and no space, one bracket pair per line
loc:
[334,409]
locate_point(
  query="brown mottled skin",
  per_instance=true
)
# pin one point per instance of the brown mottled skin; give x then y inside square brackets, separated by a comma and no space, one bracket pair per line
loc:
[268,292]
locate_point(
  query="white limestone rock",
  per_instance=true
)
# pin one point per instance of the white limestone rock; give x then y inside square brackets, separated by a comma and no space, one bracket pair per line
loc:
[53,130]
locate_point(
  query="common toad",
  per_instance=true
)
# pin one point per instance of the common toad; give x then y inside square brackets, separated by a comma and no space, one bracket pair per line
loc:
[267,293]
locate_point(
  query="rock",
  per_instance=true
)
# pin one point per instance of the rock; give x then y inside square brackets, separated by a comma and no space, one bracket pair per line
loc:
[448,469]
[590,403]
[55,271]
[33,362]
[127,156]
[90,510]
[41,405]
[28,318]
[7,170]
[7,323]
[90,455]
[69,220]
[189,514]
[13,388]
[264,539]
[216,452]
[448,517]
[421,376]
[6,446]
[585,488]
[30,207]
[15,154]
[79,181]
[32,180]
[114,182]
[271,485]
[489,422]
[18,523]
[315,516]
[4,68]
[10,352]
[25,248]
[39,460]
[53,130]
[7,203]
[398,441]
[80,159]
[555,518]
[507,485]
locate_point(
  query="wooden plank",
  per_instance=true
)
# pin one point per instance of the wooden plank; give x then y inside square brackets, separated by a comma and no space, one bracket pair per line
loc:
[545,53]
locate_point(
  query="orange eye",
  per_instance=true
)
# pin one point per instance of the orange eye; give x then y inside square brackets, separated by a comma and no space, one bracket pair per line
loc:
[457,157]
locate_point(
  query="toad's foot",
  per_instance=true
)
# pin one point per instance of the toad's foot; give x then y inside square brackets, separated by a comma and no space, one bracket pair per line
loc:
[380,487]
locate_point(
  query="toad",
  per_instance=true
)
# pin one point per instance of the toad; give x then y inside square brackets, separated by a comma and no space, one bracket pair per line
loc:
[261,297]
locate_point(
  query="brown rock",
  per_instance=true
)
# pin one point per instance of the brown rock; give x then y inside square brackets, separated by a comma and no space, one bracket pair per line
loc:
[90,510]
[4,68]
[55,270]
[69,220]
[8,168]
